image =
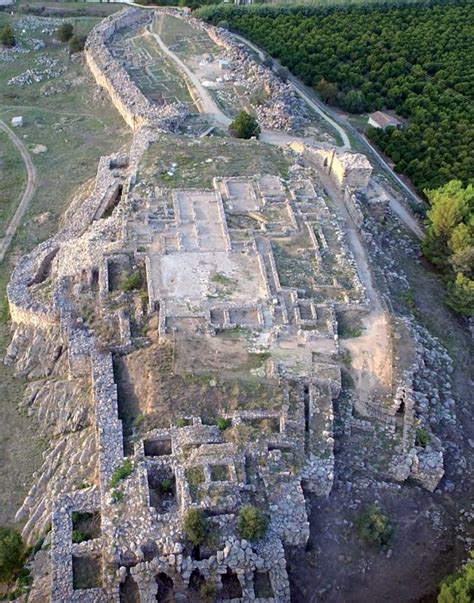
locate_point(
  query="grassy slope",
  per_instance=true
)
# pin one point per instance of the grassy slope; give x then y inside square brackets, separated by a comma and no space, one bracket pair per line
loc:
[77,126]
[12,177]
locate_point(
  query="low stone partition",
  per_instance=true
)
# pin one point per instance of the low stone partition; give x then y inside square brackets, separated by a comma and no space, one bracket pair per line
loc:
[63,549]
[108,425]
[128,99]
[318,472]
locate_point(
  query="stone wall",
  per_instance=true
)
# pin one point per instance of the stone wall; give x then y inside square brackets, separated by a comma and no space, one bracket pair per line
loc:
[132,104]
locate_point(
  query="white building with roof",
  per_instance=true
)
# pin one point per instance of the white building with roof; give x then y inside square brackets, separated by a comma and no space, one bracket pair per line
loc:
[382,120]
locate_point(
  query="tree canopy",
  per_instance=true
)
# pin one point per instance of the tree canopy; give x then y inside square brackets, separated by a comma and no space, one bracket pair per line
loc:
[252,523]
[195,526]
[12,553]
[7,36]
[244,126]
[65,32]
[415,58]
[459,587]
[449,241]
[76,44]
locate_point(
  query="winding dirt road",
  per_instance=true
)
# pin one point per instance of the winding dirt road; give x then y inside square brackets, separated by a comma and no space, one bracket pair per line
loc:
[27,195]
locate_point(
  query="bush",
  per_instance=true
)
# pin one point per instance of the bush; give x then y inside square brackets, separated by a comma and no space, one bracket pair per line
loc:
[244,126]
[166,486]
[133,282]
[12,554]
[78,536]
[459,587]
[208,592]
[195,526]
[422,437]
[117,495]
[252,523]
[76,44]
[223,424]
[121,473]
[7,36]
[4,311]
[65,32]
[374,526]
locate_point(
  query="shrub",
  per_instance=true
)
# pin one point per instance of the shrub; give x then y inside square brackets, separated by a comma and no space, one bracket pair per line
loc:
[374,526]
[459,587]
[166,486]
[78,536]
[422,437]
[65,32]
[121,473]
[133,282]
[223,424]
[252,523]
[208,592]
[117,495]
[195,526]
[4,310]
[76,44]
[12,554]
[7,36]
[244,126]
[223,24]
[139,420]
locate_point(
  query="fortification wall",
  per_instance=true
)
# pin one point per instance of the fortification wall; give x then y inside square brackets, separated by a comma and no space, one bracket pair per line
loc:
[131,103]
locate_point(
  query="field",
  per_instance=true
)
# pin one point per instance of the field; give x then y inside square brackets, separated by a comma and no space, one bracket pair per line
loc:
[68,125]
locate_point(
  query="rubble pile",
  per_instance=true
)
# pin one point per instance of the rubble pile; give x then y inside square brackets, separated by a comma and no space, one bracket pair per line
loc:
[31,76]
[281,108]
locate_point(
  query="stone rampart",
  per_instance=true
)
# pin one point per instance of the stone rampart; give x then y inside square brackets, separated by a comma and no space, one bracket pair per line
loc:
[128,99]
[35,267]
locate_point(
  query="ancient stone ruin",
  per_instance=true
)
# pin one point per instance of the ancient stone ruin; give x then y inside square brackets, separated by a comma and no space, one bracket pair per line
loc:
[190,361]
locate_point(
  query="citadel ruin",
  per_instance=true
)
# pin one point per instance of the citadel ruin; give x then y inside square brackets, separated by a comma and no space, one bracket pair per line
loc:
[189,339]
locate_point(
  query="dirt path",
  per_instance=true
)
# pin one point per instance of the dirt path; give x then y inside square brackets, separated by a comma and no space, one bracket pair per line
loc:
[206,101]
[371,352]
[27,195]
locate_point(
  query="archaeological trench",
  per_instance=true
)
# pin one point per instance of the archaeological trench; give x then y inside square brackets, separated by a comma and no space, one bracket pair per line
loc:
[182,348]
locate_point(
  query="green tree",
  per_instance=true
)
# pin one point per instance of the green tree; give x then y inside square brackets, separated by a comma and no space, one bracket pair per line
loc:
[76,44]
[460,297]
[449,242]
[12,554]
[65,32]
[373,525]
[252,523]
[459,587]
[7,36]
[450,205]
[244,126]
[327,91]
[195,526]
